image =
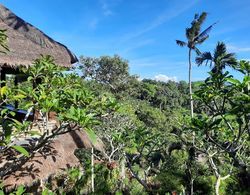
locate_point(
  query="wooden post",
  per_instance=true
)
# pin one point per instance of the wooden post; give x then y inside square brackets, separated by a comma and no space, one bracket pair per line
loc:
[16,102]
[3,76]
[92,170]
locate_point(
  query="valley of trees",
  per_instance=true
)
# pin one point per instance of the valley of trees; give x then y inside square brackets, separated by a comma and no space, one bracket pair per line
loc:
[153,145]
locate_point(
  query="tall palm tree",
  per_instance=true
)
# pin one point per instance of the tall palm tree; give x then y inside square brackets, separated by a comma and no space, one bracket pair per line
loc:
[219,60]
[194,37]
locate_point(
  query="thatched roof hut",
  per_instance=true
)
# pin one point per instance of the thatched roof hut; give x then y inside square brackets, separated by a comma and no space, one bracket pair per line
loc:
[27,43]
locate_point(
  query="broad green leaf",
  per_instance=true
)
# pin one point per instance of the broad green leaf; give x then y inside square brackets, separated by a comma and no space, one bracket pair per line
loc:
[45,192]
[20,190]
[233,81]
[92,136]
[19,96]
[21,150]
[4,111]
[12,113]
[3,90]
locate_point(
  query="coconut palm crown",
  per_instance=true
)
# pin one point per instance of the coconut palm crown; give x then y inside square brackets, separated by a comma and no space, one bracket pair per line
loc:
[219,60]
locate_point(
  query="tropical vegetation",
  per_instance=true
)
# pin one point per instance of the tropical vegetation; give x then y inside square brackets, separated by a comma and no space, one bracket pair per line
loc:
[153,145]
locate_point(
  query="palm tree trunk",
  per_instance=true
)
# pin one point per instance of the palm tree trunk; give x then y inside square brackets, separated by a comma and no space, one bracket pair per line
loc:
[191,110]
[190,83]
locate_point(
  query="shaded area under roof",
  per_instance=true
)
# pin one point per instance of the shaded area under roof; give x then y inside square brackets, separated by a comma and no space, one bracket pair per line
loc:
[27,43]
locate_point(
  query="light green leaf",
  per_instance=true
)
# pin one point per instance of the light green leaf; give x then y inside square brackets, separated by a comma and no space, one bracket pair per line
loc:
[233,81]
[21,150]
[91,134]
[20,190]
[3,90]
[19,96]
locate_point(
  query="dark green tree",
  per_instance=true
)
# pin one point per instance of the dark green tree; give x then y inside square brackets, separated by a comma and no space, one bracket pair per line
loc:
[110,71]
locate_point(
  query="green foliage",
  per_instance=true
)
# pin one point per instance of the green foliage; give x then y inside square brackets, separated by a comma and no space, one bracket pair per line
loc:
[220,131]
[151,117]
[112,71]
[172,175]
[76,108]
[152,145]
[19,191]
[22,150]
[47,192]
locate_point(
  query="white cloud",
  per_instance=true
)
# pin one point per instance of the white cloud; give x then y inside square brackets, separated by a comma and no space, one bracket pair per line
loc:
[234,48]
[164,78]
[106,8]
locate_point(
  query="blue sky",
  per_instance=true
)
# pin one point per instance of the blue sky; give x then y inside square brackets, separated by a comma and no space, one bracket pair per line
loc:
[141,31]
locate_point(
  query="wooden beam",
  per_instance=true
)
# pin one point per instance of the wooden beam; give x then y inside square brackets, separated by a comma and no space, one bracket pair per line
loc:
[16,102]
[2,76]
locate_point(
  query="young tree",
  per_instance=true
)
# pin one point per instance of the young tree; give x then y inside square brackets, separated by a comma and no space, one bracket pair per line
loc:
[194,37]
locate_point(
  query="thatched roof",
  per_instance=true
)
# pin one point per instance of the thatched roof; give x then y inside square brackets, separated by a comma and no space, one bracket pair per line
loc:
[27,43]
[57,156]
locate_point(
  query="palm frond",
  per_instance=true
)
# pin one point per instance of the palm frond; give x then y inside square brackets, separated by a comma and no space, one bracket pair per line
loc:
[204,57]
[197,22]
[204,33]
[220,50]
[181,43]
[202,17]
[197,51]
[222,59]
[229,55]
[196,16]
[200,41]
[231,61]
[190,34]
